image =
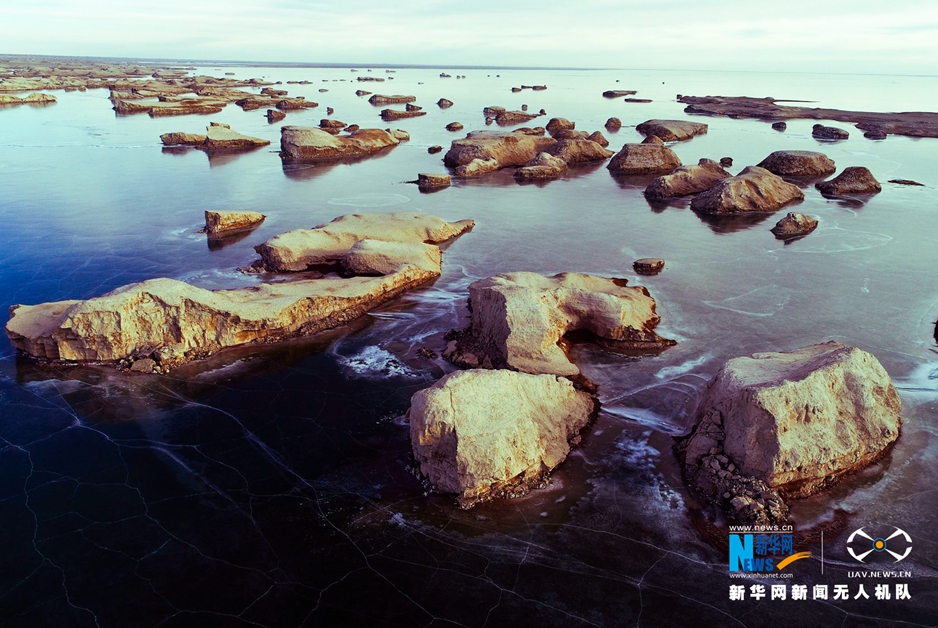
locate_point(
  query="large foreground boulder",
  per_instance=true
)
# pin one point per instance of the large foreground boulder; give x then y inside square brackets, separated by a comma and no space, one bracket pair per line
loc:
[486,434]
[312,145]
[519,318]
[798,163]
[792,421]
[643,159]
[752,190]
[853,180]
[687,180]
[487,151]
[671,130]
[302,249]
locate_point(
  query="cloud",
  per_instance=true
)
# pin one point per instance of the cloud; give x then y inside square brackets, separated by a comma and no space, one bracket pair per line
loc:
[799,35]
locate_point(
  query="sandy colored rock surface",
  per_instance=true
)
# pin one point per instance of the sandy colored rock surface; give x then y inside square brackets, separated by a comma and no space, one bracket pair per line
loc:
[794,225]
[426,180]
[798,163]
[853,180]
[544,166]
[752,190]
[671,130]
[219,221]
[301,249]
[312,145]
[579,151]
[559,124]
[519,318]
[389,115]
[487,151]
[397,99]
[509,118]
[644,159]
[799,419]
[486,434]
[31,99]
[218,137]
[687,180]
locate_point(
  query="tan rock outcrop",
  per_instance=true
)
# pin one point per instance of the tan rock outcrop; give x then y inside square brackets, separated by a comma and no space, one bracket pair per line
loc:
[389,115]
[312,145]
[518,319]
[687,180]
[794,225]
[798,163]
[218,137]
[487,151]
[644,159]
[488,434]
[800,419]
[752,190]
[380,99]
[31,99]
[326,244]
[853,180]
[292,104]
[435,181]
[219,221]
[579,151]
[559,124]
[544,166]
[508,118]
[173,322]
[671,130]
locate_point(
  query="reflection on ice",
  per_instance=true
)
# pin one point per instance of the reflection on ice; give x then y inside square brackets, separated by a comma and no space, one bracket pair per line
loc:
[670,372]
[370,200]
[764,301]
[923,381]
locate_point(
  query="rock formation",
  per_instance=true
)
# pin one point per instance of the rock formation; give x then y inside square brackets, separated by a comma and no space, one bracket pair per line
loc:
[794,225]
[853,180]
[312,145]
[218,137]
[518,319]
[822,132]
[579,151]
[544,166]
[32,99]
[559,124]
[779,126]
[618,93]
[687,180]
[509,118]
[454,126]
[427,181]
[643,159]
[752,190]
[302,249]
[648,265]
[171,322]
[389,115]
[381,100]
[488,434]
[793,422]
[444,103]
[671,130]
[613,124]
[798,163]
[219,221]
[488,151]
[273,115]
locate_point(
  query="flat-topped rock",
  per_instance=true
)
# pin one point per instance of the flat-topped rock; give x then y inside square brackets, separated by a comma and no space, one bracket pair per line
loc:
[218,137]
[31,99]
[426,180]
[798,163]
[643,159]
[220,221]
[853,180]
[671,130]
[488,151]
[519,318]
[483,434]
[302,249]
[394,114]
[508,118]
[648,265]
[794,225]
[822,132]
[618,93]
[752,190]
[312,145]
[687,180]
[380,99]
[797,420]
[293,104]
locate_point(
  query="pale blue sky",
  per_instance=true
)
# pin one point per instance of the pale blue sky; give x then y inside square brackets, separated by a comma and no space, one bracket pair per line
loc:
[862,36]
